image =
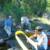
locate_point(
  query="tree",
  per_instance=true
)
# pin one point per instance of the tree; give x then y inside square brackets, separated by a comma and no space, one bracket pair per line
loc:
[2,3]
[36,6]
[18,8]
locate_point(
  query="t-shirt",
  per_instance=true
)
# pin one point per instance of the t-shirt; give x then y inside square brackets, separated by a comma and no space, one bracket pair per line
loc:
[45,42]
[8,22]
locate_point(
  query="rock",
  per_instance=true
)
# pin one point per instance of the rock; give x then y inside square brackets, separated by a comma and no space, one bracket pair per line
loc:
[1,41]
[14,49]
[11,43]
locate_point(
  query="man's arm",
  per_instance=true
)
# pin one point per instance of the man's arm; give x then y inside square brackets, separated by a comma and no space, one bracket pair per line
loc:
[40,41]
[33,36]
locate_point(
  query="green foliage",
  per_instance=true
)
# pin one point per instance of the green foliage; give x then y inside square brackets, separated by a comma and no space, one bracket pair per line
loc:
[33,25]
[17,8]
[3,3]
[36,6]
[13,10]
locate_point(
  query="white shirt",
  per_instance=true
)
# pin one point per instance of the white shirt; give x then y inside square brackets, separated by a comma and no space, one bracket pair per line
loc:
[24,20]
[45,41]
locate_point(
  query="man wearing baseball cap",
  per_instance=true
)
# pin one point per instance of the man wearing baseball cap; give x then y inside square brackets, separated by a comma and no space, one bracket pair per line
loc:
[41,40]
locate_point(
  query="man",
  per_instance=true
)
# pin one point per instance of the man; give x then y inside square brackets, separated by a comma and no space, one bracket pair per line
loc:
[25,22]
[8,25]
[41,39]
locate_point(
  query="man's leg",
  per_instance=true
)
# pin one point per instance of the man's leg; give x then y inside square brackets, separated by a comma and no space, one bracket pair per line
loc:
[41,48]
[8,30]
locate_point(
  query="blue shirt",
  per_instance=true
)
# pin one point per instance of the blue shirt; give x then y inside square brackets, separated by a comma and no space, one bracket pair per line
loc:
[8,22]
